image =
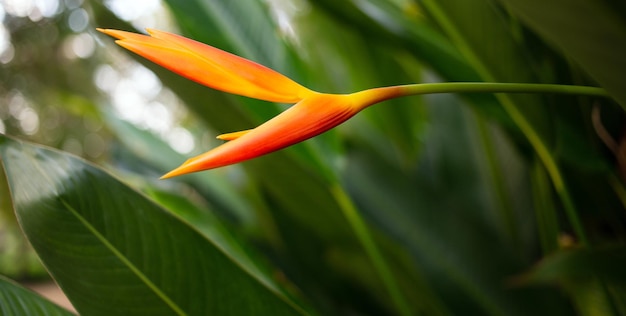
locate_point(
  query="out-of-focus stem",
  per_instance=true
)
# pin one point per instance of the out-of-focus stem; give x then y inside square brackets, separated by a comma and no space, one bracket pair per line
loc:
[386,93]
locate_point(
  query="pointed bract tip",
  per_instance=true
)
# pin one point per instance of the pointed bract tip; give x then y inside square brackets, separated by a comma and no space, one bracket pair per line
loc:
[189,166]
[110,32]
[233,135]
[174,173]
[167,176]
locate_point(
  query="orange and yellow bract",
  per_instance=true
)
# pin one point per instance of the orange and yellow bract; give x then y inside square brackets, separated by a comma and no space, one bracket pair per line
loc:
[313,113]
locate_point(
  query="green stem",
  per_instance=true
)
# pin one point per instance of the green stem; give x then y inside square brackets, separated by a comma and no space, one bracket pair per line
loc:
[367,241]
[490,87]
[375,95]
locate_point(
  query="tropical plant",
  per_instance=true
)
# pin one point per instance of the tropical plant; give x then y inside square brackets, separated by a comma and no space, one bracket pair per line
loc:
[497,204]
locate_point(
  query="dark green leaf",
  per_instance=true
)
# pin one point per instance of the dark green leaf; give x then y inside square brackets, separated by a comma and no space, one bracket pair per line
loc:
[18,301]
[605,263]
[481,33]
[592,32]
[595,278]
[114,252]
[207,223]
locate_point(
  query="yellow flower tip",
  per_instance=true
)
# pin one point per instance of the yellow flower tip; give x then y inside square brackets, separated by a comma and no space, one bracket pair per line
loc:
[233,135]
[188,166]
[174,173]
[167,175]
[116,33]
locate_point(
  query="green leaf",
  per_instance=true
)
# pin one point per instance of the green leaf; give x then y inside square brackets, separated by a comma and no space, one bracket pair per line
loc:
[592,32]
[113,251]
[606,263]
[595,278]
[469,24]
[18,301]
[207,223]
[386,23]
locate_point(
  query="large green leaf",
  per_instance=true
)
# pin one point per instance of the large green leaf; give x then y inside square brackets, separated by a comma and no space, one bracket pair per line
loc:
[18,301]
[113,251]
[207,223]
[592,32]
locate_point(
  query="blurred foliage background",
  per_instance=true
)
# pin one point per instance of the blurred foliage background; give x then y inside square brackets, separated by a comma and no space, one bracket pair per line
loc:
[481,204]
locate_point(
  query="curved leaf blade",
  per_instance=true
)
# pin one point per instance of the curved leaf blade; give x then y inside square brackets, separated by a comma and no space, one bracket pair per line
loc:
[597,44]
[594,278]
[16,300]
[113,251]
[472,24]
[606,263]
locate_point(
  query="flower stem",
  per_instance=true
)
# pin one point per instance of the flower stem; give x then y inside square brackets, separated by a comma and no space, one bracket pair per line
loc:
[490,87]
[376,95]
[367,241]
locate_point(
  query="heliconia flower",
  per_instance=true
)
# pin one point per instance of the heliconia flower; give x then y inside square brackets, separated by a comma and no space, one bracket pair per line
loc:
[313,113]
